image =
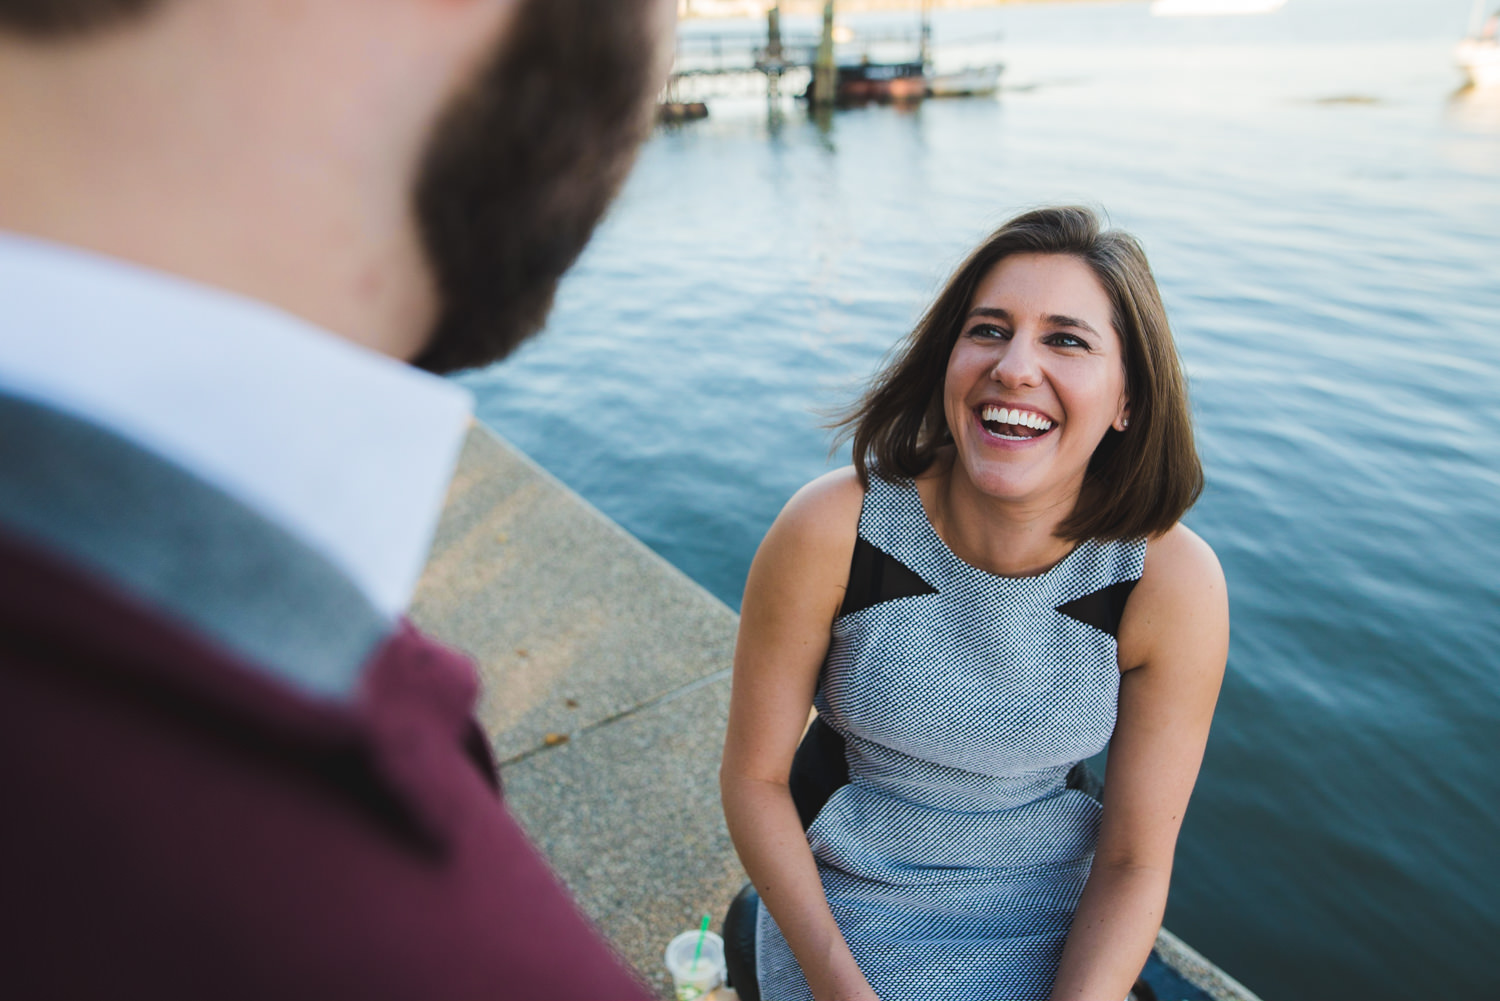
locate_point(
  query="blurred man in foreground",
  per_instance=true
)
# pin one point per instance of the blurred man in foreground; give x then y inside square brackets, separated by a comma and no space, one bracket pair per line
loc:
[229,767]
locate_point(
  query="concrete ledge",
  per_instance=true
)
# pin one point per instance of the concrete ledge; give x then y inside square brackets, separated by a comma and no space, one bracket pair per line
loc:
[606,689]
[629,814]
[571,620]
[1198,971]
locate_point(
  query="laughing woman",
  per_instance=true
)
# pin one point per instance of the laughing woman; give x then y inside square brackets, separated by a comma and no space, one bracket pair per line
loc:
[997,589]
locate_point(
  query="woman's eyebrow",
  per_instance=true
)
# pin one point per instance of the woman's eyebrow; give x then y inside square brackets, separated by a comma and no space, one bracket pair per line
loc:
[991,311]
[1070,321]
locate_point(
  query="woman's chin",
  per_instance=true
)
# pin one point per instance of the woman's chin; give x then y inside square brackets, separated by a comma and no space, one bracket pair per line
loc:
[1001,485]
[1009,481]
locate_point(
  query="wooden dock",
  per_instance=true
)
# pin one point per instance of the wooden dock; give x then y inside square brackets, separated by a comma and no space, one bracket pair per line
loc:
[835,66]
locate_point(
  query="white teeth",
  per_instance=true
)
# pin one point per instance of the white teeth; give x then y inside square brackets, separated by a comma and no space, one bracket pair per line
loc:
[1005,415]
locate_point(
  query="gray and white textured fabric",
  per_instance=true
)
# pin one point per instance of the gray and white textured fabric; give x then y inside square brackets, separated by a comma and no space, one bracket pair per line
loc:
[951,852]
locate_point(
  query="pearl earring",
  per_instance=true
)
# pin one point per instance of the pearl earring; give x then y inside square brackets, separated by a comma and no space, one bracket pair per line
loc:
[1124,423]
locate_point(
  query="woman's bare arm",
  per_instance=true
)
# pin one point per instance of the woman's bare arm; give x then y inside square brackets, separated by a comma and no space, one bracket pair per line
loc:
[794,590]
[1174,641]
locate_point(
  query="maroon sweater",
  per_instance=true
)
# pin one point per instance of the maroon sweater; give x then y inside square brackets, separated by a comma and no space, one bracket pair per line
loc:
[179,824]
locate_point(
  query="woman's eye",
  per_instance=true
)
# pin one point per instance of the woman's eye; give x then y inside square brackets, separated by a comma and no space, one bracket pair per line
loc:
[1063,340]
[986,331]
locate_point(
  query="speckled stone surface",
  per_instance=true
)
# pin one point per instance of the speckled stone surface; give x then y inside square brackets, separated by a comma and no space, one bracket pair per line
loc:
[606,689]
[629,814]
[1198,971]
[570,619]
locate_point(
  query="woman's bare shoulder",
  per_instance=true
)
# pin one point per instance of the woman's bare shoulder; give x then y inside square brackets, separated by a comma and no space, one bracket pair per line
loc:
[813,536]
[1180,556]
[829,504]
[802,567]
[1181,593]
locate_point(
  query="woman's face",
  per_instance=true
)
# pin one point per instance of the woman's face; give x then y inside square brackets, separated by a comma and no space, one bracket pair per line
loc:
[1035,379]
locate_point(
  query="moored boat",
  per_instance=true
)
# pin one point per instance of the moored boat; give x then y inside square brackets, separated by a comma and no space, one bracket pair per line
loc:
[1480,60]
[862,82]
[1479,54]
[900,80]
[681,111]
[869,81]
[973,81]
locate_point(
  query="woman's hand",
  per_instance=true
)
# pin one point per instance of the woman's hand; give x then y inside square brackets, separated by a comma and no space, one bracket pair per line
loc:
[1174,640]
[795,587]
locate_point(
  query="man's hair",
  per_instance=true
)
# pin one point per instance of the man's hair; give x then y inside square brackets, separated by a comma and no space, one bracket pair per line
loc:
[61,18]
[1139,482]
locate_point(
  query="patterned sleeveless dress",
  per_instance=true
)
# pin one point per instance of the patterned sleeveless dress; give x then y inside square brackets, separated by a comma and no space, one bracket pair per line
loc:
[951,707]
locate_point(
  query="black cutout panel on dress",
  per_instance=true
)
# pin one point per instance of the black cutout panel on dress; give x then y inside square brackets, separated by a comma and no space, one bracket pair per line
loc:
[819,769]
[1101,609]
[876,576]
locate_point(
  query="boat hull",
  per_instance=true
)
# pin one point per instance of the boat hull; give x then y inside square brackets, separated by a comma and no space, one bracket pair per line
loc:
[880,82]
[866,82]
[1480,61]
[973,82]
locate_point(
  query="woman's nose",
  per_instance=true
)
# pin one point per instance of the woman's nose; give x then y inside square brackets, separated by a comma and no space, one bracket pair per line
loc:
[1018,365]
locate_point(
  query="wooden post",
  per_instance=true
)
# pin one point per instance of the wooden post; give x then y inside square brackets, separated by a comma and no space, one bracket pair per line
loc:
[775,61]
[825,74]
[926,55]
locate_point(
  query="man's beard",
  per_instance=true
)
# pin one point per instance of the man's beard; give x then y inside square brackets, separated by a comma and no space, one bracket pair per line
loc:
[524,164]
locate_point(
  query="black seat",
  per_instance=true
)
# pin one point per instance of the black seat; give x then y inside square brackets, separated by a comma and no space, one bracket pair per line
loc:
[739,943]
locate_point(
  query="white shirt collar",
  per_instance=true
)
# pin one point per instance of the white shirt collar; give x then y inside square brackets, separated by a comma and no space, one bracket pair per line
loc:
[349,450]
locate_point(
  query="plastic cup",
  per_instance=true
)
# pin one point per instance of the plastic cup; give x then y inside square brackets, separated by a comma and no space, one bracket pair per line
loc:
[694,981]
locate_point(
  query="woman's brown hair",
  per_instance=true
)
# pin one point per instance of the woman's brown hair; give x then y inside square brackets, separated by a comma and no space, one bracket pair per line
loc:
[1140,481]
[39,19]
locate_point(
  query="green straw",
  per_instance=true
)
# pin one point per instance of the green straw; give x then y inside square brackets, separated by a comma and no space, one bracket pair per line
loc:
[702,931]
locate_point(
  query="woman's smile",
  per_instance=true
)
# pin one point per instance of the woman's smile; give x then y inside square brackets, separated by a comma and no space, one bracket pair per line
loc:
[1013,423]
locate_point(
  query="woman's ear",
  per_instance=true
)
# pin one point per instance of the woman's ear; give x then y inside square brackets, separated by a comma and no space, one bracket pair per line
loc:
[1122,419]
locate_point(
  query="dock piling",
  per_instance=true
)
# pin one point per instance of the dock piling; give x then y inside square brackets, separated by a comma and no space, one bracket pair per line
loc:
[825,75]
[775,59]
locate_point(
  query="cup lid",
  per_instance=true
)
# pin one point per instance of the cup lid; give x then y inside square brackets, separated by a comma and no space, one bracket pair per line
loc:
[680,954]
